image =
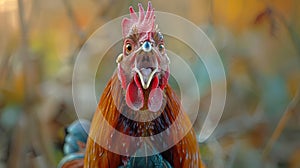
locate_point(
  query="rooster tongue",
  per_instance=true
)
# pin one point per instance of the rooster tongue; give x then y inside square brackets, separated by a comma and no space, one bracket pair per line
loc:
[134,95]
[146,72]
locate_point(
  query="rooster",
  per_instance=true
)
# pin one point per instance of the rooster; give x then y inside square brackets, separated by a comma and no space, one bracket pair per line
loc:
[139,102]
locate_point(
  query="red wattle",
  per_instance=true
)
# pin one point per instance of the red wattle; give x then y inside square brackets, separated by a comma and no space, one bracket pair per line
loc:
[134,95]
[155,99]
[155,95]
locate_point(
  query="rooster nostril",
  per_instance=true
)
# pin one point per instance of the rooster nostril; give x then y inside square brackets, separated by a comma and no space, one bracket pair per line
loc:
[147,46]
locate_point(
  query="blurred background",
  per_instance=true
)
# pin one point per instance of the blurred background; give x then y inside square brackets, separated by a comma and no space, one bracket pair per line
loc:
[258,41]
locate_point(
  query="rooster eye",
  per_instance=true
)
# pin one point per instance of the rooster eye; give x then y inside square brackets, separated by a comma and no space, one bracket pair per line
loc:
[161,47]
[128,48]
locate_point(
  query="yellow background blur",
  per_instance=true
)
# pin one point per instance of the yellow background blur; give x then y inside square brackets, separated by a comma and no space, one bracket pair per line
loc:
[258,41]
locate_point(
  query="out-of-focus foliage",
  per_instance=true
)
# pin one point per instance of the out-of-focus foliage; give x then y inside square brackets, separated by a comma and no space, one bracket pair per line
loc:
[259,43]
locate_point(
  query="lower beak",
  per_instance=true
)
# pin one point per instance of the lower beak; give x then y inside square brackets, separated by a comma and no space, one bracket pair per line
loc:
[146,75]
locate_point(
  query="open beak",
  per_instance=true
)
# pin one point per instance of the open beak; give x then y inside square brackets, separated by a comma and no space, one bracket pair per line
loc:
[146,64]
[146,75]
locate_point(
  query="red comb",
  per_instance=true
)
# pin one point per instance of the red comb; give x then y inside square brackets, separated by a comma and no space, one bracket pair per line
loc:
[143,22]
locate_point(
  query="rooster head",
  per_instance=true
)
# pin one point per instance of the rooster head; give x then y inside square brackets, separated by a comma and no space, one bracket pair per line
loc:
[143,66]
